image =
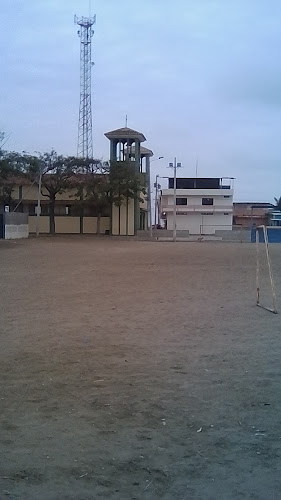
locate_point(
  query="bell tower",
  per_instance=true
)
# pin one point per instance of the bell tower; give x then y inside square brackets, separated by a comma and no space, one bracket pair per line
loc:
[125,145]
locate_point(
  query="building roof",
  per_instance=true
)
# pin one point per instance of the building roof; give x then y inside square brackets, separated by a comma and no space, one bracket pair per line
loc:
[25,181]
[254,204]
[125,133]
[143,151]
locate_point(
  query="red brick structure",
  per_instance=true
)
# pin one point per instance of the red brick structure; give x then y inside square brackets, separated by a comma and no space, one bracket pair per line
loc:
[248,213]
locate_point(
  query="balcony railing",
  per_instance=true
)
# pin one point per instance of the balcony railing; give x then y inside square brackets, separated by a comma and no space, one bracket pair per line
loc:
[198,208]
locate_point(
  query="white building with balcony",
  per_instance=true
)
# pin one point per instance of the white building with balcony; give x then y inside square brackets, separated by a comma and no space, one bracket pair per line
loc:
[203,206]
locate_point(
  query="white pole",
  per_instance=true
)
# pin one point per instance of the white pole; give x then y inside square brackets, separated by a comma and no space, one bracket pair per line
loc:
[150,215]
[156,201]
[270,270]
[39,203]
[175,202]
[149,197]
[258,267]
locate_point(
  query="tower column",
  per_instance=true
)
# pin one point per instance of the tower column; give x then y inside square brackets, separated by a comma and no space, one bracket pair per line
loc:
[137,203]
[113,150]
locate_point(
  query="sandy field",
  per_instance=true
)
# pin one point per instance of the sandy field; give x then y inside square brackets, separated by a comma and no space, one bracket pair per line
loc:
[137,370]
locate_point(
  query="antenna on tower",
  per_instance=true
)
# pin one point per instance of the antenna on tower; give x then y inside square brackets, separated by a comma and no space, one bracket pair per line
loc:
[126,122]
[85,137]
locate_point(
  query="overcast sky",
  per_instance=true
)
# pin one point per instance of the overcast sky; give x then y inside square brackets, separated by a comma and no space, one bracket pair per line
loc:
[200,78]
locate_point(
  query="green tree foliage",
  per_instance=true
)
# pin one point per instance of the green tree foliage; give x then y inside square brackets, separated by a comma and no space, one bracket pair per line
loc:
[125,182]
[97,193]
[2,139]
[11,169]
[116,184]
[58,175]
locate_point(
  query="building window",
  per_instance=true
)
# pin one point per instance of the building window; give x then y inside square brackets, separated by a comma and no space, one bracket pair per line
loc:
[31,209]
[207,213]
[68,210]
[181,201]
[45,209]
[207,201]
[226,196]
[226,213]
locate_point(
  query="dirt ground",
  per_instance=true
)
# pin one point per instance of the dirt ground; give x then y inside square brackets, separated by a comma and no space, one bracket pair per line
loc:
[137,370]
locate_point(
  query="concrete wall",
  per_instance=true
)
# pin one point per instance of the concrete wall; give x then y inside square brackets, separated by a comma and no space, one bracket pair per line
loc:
[241,235]
[44,226]
[115,220]
[196,223]
[67,225]
[116,230]
[15,226]
[14,232]
[131,222]
[90,225]
[64,225]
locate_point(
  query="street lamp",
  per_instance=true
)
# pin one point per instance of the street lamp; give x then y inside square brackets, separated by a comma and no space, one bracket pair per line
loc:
[156,208]
[157,187]
[156,159]
[150,198]
[174,166]
[38,212]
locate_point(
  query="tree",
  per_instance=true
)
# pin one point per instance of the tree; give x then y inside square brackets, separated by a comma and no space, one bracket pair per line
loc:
[116,184]
[278,203]
[58,175]
[2,139]
[125,184]
[10,169]
[97,193]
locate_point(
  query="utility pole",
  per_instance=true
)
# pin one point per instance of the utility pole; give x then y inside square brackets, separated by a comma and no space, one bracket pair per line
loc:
[150,205]
[39,203]
[174,166]
[156,185]
[175,202]
[150,211]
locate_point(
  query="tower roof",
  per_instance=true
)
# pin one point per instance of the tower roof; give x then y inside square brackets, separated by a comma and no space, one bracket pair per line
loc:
[143,151]
[125,133]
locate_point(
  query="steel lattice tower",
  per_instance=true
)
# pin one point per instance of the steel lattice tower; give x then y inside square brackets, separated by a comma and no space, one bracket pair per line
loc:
[85,137]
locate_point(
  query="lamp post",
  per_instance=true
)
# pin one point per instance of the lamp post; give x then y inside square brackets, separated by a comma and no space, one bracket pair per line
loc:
[174,166]
[157,187]
[150,199]
[39,203]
